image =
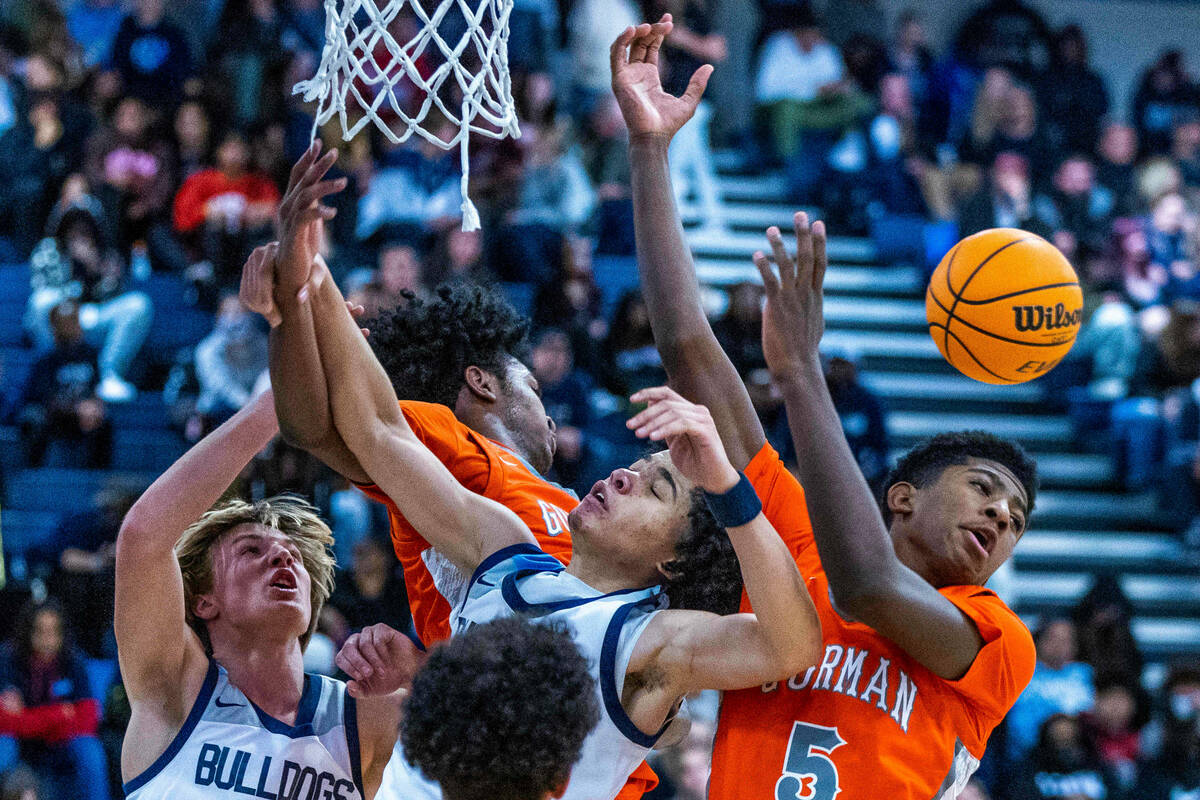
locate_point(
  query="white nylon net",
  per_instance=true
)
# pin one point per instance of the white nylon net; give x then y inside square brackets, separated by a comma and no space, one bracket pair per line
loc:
[372,57]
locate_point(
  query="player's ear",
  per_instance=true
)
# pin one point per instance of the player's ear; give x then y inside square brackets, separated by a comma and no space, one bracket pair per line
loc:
[482,384]
[204,607]
[900,497]
[667,569]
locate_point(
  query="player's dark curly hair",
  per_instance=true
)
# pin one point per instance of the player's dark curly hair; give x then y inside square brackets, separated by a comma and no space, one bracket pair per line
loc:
[705,572]
[425,346]
[926,462]
[500,711]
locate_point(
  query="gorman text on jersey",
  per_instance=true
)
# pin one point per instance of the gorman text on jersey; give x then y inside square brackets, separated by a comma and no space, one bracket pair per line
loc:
[843,670]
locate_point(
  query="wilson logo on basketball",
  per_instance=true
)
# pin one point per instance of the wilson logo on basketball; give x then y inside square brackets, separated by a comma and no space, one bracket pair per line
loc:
[1036,318]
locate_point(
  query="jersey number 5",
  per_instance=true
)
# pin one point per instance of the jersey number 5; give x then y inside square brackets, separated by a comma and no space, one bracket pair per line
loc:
[808,771]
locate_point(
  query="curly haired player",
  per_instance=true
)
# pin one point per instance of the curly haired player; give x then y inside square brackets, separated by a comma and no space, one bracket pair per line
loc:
[531,701]
[468,398]
[626,530]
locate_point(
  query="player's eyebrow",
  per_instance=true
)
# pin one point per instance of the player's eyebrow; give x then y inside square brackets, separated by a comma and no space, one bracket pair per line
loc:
[666,473]
[995,478]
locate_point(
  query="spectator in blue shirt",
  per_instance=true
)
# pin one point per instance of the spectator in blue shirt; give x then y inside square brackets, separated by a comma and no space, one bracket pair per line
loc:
[1060,685]
[151,56]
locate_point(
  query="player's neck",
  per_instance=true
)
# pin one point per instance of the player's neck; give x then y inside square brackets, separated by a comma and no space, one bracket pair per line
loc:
[484,421]
[602,575]
[269,671]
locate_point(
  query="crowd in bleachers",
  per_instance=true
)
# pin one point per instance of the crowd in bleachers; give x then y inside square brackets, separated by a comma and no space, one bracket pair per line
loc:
[142,154]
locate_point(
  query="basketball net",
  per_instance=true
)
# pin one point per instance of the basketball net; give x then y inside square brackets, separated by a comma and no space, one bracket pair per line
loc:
[352,73]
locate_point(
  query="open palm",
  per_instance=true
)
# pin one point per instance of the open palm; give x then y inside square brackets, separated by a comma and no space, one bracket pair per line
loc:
[648,110]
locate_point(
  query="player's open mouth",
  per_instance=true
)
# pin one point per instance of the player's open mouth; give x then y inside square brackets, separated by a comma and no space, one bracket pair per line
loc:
[598,494]
[982,538]
[284,579]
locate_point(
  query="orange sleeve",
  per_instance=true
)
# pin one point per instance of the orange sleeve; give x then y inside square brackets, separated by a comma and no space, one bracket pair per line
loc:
[1005,663]
[782,498]
[640,781]
[440,431]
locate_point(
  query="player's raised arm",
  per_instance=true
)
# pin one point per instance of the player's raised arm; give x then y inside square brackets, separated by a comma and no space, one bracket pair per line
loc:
[466,527]
[867,579]
[694,650]
[156,648]
[295,367]
[697,366]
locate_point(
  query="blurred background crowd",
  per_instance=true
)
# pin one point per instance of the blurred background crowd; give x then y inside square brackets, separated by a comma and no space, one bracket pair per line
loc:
[143,149]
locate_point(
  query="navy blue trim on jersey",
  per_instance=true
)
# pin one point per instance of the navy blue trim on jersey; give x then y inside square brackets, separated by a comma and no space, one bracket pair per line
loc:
[512,596]
[189,725]
[608,680]
[505,553]
[304,713]
[350,722]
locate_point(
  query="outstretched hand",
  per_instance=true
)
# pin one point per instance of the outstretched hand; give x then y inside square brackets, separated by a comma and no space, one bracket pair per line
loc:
[690,434]
[302,216]
[379,660]
[648,110]
[793,320]
[257,290]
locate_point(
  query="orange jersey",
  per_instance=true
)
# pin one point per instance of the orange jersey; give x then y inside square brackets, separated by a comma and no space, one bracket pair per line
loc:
[486,468]
[869,721]
[490,469]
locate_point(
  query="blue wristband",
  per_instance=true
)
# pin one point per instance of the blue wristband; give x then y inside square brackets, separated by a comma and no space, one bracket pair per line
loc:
[736,507]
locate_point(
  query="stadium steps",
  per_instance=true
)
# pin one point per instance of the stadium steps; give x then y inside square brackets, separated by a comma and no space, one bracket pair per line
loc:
[66,490]
[1038,432]
[852,279]
[1101,551]
[901,391]
[1099,511]
[1151,595]
[743,244]
[1084,525]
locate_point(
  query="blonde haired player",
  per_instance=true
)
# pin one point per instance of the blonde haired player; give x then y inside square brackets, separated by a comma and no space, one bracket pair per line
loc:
[213,611]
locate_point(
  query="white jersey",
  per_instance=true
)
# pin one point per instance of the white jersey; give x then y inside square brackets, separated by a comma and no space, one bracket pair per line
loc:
[230,748]
[522,580]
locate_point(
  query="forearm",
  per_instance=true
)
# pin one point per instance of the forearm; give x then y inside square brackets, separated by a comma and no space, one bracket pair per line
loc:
[853,544]
[361,400]
[697,366]
[463,525]
[302,396]
[786,616]
[198,479]
[664,261]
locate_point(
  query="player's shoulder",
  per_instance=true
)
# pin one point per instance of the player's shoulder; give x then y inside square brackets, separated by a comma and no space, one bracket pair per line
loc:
[522,559]
[769,475]
[994,619]
[430,413]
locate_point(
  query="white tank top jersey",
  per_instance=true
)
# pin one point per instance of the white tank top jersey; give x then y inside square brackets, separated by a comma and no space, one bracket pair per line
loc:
[523,580]
[230,748]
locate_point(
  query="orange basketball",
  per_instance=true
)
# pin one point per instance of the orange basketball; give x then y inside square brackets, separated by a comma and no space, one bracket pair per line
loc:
[1004,306]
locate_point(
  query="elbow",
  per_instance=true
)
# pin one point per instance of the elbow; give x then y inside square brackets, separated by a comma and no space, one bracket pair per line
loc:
[303,438]
[801,654]
[135,529]
[862,599]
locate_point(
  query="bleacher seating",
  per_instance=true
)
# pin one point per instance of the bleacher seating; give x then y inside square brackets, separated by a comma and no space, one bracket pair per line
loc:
[1084,524]
[14,292]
